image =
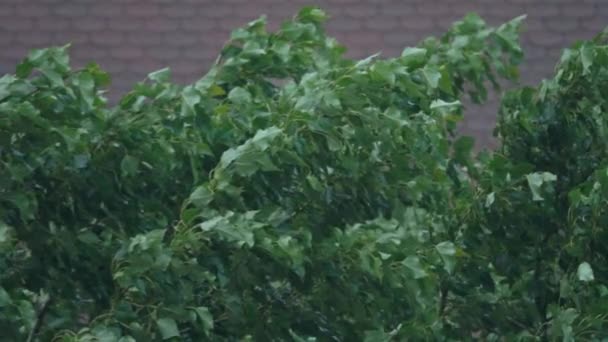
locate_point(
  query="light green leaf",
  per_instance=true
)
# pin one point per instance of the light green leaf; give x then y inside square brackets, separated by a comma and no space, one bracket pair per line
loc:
[384,71]
[190,98]
[239,95]
[536,181]
[447,250]
[586,57]
[585,272]
[413,263]
[206,317]
[443,107]
[5,298]
[432,76]
[413,56]
[160,76]
[167,327]
[263,138]
[490,199]
[201,196]
[366,61]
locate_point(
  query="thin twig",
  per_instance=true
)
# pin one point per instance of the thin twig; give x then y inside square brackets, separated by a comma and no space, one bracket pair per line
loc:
[39,319]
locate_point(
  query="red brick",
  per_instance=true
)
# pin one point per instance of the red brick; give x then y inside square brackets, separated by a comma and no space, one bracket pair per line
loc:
[344,25]
[561,24]
[85,24]
[87,55]
[596,24]
[32,10]
[38,38]
[199,24]
[432,9]
[177,11]
[571,37]
[546,39]
[69,9]
[365,39]
[362,11]
[385,24]
[542,11]
[216,11]
[142,10]
[113,67]
[73,37]
[127,52]
[15,53]
[397,9]
[146,65]
[160,25]
[577,10]
[188,68]
[143,38]
[107,38]
[401,39]
[104,9]
[200,54]
[7,10]
[162,53]
[232,23]
[179,40]
[122,23]
[51,24]
[15,24]
[214,38]
[418,23]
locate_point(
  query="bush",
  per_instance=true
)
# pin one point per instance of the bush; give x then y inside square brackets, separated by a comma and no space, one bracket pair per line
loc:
[295,194]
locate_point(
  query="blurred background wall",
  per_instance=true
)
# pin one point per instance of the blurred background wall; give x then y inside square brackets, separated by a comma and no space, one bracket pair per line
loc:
[130,38]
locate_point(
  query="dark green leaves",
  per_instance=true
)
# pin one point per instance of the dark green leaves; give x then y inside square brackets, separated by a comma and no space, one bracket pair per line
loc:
[291,193]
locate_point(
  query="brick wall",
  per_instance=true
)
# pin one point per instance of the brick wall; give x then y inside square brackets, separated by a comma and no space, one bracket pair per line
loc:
[130,38]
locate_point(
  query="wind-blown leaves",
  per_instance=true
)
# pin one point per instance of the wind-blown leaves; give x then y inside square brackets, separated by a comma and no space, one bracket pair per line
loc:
[294,193]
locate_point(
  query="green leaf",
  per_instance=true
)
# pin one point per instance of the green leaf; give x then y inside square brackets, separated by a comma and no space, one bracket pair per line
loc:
[312,14]
[366,61]
[160,76]
[585,272]
[5,298]
[586,52]
[384,71]
[168,328]
[447,250]
[129,166]
[239,95]
[432,77]
[413,263]
[53,76]
[205,317]
[191,97]
[462,149]
[413,57]
[490,199]
[536,181]
[81,161]
[201,196]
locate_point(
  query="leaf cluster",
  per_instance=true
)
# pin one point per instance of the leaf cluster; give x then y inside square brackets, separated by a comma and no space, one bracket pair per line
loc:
[295,194]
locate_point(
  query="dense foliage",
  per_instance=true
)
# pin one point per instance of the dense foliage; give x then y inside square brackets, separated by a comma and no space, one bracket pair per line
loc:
[295,194]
